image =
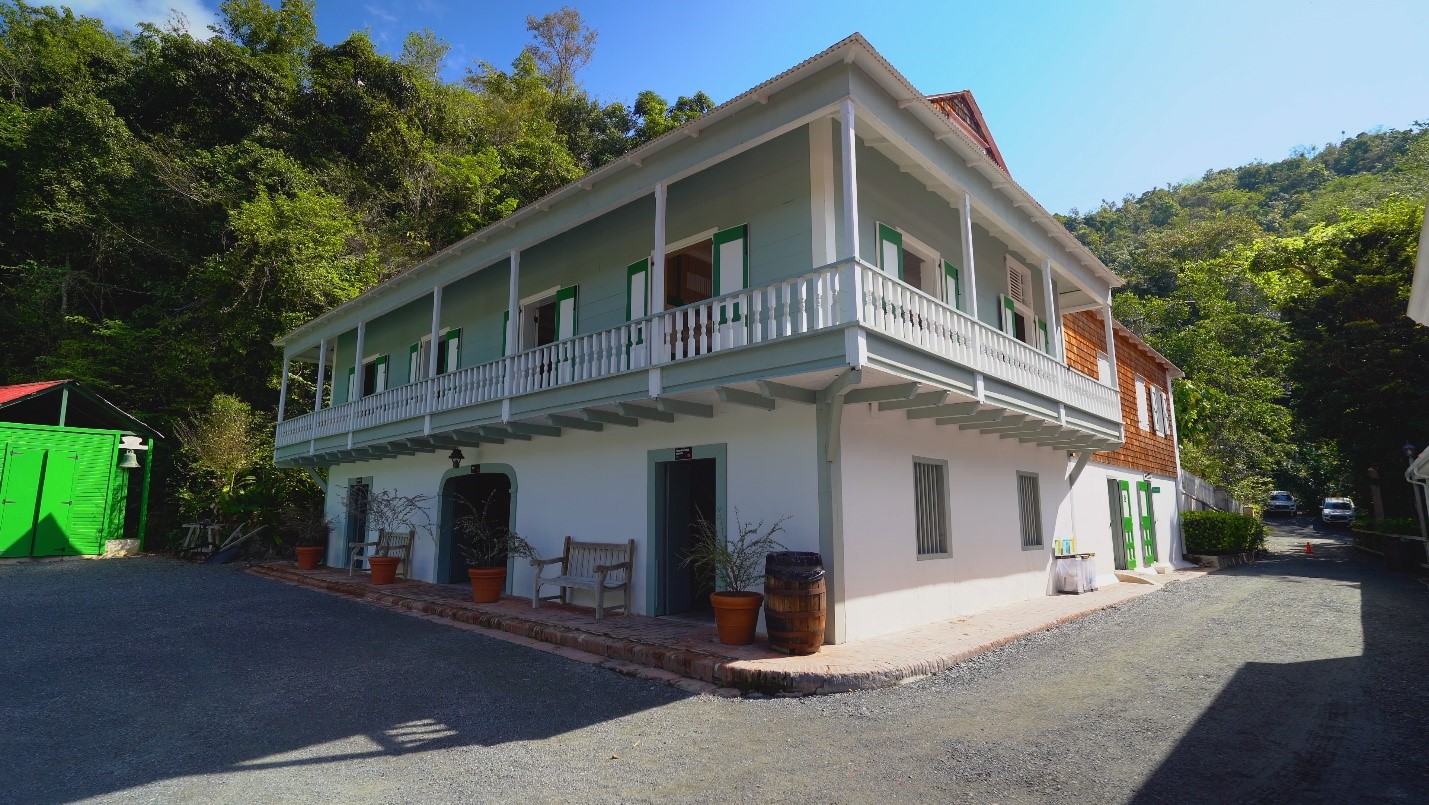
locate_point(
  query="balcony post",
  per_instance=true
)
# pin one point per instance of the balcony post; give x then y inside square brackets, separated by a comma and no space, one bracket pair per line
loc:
[357,363]
[849,242]
[967,239]
[283,389]
[513,299]
[322,374]
[657,276]
[1054,325]
[436,332]
[1110,342]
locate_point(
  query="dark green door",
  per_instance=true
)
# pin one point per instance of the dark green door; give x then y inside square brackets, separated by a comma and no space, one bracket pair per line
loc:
[20,498]
[1148,523]
[53,526]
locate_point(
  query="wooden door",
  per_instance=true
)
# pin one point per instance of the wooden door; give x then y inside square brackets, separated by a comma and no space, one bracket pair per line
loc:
[19,499]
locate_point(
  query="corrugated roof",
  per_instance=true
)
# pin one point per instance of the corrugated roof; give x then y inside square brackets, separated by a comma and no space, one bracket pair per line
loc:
[12,393]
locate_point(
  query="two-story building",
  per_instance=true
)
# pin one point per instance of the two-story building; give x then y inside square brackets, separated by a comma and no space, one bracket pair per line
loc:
[827,299]
[1125,504]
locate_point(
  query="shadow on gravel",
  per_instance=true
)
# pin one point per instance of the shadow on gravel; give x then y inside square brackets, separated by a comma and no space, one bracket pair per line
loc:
[1348,729]
[116,675]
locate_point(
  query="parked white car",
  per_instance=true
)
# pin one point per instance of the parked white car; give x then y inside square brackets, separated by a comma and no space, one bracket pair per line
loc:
[1280,503]
[1337,510]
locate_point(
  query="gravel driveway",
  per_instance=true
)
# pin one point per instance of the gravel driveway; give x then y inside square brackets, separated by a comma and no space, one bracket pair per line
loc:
[1295,679]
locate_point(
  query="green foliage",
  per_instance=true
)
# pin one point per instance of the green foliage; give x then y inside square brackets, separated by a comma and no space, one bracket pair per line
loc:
[736,558]
[1211,533]
[222,444]
[1407,526]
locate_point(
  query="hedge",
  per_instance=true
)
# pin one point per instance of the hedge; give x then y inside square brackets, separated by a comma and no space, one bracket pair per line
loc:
[1212,533]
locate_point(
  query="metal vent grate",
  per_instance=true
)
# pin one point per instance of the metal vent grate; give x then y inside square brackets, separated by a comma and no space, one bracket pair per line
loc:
[1029,509]
[930,502]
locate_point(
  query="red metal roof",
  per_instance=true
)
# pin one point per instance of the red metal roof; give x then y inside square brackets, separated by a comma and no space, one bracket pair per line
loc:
[10,393]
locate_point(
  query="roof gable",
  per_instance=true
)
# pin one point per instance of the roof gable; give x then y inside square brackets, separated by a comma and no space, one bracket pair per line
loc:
[962,109]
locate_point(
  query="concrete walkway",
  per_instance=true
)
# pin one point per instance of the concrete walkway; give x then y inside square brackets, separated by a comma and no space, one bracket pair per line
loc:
[689,656]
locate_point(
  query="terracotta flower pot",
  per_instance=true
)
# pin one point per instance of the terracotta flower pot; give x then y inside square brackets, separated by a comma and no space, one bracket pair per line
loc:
[487,583]
[309,557]
[384,568]
[736,615]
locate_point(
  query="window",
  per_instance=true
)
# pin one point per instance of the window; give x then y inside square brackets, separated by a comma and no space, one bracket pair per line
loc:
[1018,319]
[1158,412]
[1029,509]
[548,317]
[1142,417]
[930,507]
[374,378]
[903,256]
[448,358]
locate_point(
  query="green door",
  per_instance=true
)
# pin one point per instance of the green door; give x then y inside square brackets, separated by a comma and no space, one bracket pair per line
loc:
[20,498]
[53,527]
[1128,532]
[1148,523]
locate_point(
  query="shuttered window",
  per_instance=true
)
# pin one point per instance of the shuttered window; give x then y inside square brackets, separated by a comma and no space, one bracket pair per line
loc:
[1159,419]
[890,251]
[953,288]
[1143,417]
[566,313]
[1029,509]
[930,507]
[450,356]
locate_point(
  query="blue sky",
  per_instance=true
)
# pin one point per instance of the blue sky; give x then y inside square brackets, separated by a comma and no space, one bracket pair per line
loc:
[1088,100]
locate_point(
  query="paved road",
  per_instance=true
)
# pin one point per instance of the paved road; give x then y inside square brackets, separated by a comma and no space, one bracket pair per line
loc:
[1296,679]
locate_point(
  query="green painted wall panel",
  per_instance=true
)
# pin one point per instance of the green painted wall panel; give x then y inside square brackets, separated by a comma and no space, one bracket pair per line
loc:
[80,500]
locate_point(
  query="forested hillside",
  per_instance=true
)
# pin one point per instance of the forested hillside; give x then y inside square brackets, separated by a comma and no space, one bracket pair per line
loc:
[1281,289]
[169,205]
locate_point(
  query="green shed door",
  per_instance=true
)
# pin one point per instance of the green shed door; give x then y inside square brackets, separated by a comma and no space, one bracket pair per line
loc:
[53,527]
[1148,523]
[19,499]
[1128,533]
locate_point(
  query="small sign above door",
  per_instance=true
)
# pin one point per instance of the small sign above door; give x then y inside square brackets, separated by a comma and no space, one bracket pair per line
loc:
[684,453]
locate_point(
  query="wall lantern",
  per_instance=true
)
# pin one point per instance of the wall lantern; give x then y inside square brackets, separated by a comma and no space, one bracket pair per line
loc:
[456,457]
[127,445]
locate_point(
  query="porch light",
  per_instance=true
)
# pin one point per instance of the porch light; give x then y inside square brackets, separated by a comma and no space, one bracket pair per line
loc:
[456,457]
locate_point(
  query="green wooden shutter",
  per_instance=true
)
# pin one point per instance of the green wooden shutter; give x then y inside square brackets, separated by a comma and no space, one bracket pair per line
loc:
[351,383]
[952,286]
[1148,523]
[566,313]
[637,296]
[890,251]
[1128,527]
[449,358]
[505,329]
[1009,314]
[414,362]
[379,374]
[1046,337]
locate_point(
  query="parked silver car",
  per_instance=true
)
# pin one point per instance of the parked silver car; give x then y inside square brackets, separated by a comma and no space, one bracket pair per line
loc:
[1337,510]
[1280,503]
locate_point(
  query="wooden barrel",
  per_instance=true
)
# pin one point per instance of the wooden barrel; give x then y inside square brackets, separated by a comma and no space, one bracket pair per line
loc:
[794,601]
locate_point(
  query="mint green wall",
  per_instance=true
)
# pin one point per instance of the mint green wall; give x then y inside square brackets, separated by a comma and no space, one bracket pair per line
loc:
[393,335]
[593,256]
[768,189]
[477,303]
[990,256]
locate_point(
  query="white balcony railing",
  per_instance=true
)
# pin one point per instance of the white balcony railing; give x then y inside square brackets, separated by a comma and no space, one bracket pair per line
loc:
[781,310]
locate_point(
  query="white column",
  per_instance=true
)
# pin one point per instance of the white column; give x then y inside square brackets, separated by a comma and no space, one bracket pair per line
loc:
[283,389]
[436,331]
[850,180]
[821,192]
[357,364]
[967,238]
[322,372]
[513,299]
[1110,342]
[657,277]
[1054,327]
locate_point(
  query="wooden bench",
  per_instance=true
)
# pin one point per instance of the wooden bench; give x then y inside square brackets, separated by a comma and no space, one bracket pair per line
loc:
[388,543]
[598,566]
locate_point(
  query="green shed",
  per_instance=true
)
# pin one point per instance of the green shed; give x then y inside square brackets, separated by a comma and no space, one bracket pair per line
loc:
[68,459]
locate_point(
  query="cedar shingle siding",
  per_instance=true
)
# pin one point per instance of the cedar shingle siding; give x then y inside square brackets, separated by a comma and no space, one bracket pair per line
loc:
[1144,450]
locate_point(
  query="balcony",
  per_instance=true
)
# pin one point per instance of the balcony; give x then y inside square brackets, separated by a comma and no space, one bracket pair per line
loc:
[829,299]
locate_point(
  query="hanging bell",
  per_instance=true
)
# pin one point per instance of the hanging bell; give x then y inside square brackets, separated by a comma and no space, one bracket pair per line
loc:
[128,461]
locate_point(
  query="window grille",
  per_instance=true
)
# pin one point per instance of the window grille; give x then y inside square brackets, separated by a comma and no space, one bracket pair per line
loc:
[930,504]
[1029,509]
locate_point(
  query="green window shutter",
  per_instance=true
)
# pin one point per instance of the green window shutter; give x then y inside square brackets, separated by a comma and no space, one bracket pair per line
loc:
[1009,314]
[505,328]
[351,383]
[414,362]
[1128,527]
[952,287]
[1046,337]
[449,358]
[1148,523]
[637,290]
[566,313]
[890,251]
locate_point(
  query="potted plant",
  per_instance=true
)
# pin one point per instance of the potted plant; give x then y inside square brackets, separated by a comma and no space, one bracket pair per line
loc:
[737,560]
[398,520]
[309,531]
[486,544]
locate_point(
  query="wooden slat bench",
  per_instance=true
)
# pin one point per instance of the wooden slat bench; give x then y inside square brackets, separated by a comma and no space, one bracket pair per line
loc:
[598,566]
[388,543]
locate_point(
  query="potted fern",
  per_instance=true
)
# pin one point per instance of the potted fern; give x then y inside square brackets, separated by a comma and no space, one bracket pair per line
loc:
[486,545]
[737,559]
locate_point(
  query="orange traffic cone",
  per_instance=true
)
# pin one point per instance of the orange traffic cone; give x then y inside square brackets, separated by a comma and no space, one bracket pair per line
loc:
[1309,549]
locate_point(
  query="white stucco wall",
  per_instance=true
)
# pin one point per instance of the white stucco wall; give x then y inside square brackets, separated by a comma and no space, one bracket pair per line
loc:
[594,486]
[1087,517]
[887,586]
